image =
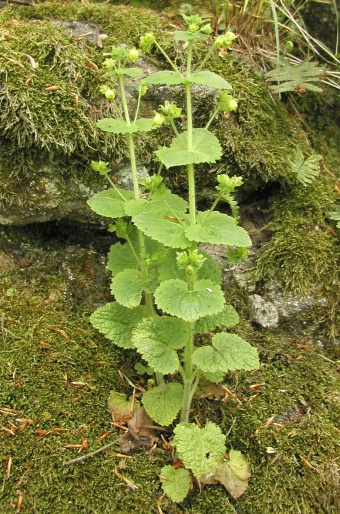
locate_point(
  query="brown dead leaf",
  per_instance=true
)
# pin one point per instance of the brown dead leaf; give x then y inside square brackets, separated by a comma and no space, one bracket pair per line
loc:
[234,474]
[141,432]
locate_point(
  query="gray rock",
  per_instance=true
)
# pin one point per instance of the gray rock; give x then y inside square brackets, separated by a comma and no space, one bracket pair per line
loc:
[263,312]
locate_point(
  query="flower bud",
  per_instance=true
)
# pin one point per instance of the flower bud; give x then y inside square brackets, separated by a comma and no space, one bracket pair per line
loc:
[133,55]
[147,41]
[109,64]
[158,120]
[226,40]
[110,94]
[193,27]
[206,29]
[143,89]
[226,102]
[289,45]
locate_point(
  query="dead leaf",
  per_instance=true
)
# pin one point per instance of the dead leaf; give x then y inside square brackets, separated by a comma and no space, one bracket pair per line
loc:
[120,406]
[234,474]
[209,390]
[141,432]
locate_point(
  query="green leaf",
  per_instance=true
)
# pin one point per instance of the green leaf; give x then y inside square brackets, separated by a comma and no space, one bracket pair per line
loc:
[234,474]
[117,322]
[217,228]
[174,297]
[164,219]
[200,449]
[116,126]
[163,403]
[145,124]
[124,256]
[206,148]
[169,269]
[210,79]
[216,377]
[306,169]
[134,73]
[110,202]
[121,257]
[168,78]
[228,353]
[228,317]
[175,482]
[157,340]
[181,35]
[128,286]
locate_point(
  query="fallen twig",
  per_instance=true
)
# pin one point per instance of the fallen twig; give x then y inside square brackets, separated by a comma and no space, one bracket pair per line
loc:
[92,454]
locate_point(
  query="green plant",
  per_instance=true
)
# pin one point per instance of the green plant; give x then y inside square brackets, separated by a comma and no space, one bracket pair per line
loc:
[167,290]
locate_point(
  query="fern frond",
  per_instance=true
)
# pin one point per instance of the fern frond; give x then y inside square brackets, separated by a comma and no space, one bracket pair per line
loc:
[335,215]
[296,77]
[306,169]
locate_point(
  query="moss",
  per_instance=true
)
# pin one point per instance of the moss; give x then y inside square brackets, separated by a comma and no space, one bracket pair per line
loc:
[57,281]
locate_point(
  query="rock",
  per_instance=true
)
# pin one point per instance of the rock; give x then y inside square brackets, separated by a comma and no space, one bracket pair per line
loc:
[263,312]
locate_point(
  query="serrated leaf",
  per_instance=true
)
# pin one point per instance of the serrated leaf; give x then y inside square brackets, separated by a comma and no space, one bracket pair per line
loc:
[306,169]
[157,340]
[168,78]
[116,126]
[200,449]
[175,482]
[234,474]
[117,322]
[228,353]
[164,219]
[128,286]
[125,256]
[110,202]
[210,79]
[217,228]
[228,317]
[118,404]
[216,377]
[206,148]
[169,269]
[121,257]
[174,297]
[163,403]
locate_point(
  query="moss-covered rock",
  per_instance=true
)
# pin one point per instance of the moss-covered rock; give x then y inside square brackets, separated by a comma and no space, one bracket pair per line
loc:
[50,75]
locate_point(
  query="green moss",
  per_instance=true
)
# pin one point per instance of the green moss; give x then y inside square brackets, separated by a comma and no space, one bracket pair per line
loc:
[57,281]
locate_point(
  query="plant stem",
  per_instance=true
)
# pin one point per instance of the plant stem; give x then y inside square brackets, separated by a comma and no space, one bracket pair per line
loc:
[187,376]
[190,167]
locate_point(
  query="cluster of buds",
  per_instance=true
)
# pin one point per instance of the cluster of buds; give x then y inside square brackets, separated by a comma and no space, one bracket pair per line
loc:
[228,184]
[226,102]
[190,261]
[107,92]
[168,112]
[119,54]
[147,41]
[195,23]
[225,40]
[101,167]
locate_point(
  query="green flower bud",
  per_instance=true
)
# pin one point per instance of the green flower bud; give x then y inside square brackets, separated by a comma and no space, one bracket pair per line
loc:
[109,64]
[226,40]
[158,120]
[147,41]
[170,110]
[289,45]
[193,27]
[226,102]
[101,167]
[143,89]
[206,29]
[110,94]
[133,55]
